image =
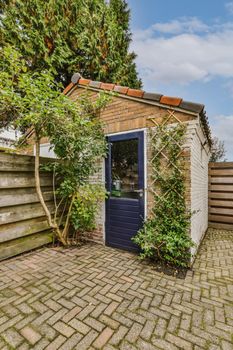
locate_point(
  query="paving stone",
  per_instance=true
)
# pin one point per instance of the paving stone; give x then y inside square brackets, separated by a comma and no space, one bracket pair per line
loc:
[103,338]
[127,346]
[12,337]
[71,314]
[64,329]
[164,345]
[24,346]
[79,326]
[30,334]
[226,345]
[179,342]
[148,329]
[119,335]
[92,322]
[111,307]
[42,344]
[56,343]
[85,343]
[25,308]
[72,342]
[134,332]
[109,321]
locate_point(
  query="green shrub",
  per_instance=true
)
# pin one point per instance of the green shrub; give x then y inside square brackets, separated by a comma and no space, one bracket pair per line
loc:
[85,207]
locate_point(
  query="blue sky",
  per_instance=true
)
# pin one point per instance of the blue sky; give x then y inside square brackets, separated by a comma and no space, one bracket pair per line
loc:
[185,49]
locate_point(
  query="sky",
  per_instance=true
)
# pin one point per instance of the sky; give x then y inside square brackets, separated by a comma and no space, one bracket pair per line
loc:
[185,48]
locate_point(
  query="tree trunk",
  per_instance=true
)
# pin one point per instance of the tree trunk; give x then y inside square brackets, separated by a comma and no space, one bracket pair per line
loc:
[40,195]
[67,223]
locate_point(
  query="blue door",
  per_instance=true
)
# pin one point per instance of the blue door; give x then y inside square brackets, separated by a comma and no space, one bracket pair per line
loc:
[125,184]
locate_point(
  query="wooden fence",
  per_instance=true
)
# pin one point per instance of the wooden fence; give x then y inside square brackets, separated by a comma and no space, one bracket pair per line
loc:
[22,222]
[221,195]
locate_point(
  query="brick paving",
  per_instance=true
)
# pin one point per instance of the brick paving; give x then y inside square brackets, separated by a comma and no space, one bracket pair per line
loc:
[97,297]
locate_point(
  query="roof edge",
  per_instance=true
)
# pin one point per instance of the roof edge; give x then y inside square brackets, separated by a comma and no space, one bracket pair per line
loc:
[147,97]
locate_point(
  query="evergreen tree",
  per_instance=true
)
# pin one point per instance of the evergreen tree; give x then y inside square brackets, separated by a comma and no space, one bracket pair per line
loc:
[119,29]
[91,37]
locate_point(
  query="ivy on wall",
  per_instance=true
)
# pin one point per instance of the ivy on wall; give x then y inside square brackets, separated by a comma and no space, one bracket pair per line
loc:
[165,235]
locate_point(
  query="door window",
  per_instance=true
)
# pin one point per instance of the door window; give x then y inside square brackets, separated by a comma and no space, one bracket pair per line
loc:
[124,169]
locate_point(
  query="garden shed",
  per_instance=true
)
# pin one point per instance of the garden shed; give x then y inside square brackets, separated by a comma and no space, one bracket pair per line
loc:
[131,120]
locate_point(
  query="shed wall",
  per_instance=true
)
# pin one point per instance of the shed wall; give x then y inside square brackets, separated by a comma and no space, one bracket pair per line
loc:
[199,185]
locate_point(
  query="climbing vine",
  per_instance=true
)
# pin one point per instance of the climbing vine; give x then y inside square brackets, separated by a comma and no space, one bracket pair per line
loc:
[165,235]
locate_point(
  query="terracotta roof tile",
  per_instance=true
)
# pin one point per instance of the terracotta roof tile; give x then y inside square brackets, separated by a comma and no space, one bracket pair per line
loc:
[68,88]
[121,89]
[107,86]
[84,81]
[171,101]
[135,93]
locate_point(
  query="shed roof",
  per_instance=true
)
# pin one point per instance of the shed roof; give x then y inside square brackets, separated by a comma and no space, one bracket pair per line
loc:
[147,97]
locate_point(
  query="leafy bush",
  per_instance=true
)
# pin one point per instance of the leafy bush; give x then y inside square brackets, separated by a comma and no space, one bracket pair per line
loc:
[85,207]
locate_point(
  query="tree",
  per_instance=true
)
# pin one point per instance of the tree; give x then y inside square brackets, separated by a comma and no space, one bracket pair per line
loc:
[91,37]
[218,151]
[32,101]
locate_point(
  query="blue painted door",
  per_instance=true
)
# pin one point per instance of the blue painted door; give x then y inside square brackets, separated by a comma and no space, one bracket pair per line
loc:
[125,184]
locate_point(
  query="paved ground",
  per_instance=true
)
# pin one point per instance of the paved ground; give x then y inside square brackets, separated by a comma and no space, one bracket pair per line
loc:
[97,297]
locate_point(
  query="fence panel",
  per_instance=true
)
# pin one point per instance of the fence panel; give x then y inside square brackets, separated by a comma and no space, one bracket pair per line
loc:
[221,195]
[23,225]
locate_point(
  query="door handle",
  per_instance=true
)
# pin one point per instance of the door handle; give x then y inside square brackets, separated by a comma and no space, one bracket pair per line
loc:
[140,192]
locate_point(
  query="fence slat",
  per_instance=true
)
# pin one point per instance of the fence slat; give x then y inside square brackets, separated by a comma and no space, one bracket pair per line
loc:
[221,218]
[22,228]
[24,244]
[22,196]
[219,203]
[222,180]
[9,180]
[219,195]
[220,165]
[221,188]
[24,212]
[220,211]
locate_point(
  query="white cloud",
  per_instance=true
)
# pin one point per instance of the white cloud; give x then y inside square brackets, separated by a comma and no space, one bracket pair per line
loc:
[186,55]
[229,7]
[222,127]
[184,24]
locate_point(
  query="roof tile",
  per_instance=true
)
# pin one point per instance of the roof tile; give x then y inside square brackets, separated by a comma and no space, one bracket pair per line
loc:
[95,84]
[83,81]
[192,107]
[152,96]
[121,89]
[107,86]
[68,88]
[171,101]
[75,78]
[135,93]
